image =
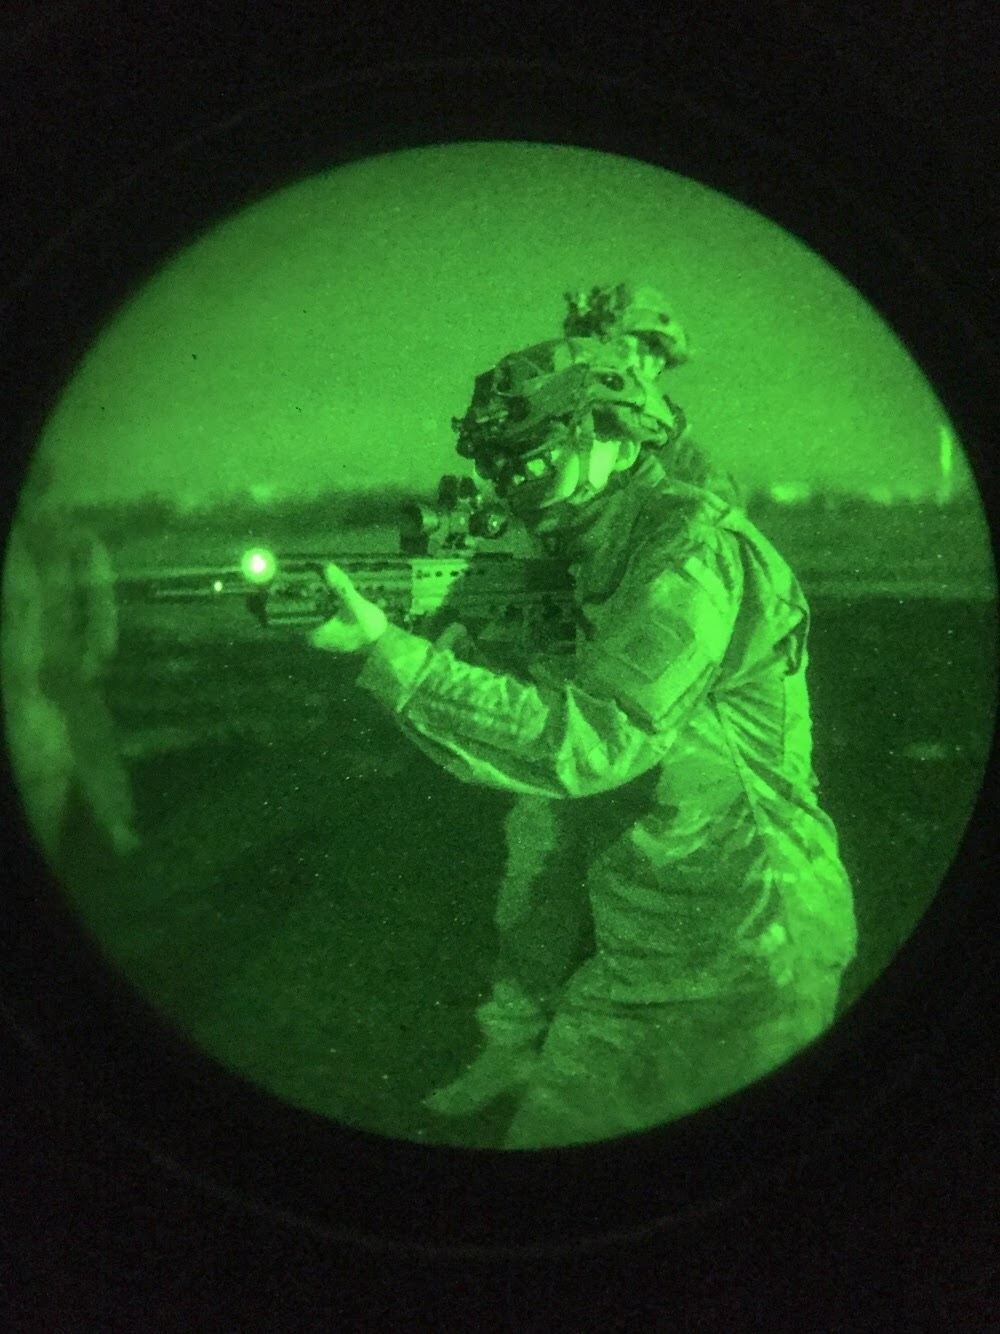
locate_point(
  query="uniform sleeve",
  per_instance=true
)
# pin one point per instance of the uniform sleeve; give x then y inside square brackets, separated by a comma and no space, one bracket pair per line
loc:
[656,649]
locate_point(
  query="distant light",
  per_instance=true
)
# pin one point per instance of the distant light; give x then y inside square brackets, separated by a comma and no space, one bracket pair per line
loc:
[946,464]
[217,586]
[790,493]
[258,566]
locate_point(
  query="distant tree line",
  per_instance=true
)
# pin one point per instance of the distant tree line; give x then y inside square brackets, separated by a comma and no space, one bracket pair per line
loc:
[374,506]
[342,509]
[849,502]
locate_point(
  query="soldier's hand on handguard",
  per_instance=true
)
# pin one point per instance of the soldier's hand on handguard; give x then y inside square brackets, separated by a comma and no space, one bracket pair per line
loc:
[357,624]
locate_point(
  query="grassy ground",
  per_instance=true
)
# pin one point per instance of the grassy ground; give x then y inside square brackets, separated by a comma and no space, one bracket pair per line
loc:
[313,900]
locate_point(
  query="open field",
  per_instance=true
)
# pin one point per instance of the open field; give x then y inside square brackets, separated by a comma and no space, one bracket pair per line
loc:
[846,548]
[313,899]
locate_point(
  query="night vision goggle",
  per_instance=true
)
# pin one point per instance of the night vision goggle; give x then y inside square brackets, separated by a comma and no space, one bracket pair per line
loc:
[520,415]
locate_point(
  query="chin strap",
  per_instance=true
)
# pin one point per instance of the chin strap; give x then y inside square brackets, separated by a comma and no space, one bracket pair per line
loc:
[584,493]
[585,490]
[583,444]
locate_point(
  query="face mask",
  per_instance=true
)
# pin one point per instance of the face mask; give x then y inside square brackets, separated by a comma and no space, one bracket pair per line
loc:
[569,474]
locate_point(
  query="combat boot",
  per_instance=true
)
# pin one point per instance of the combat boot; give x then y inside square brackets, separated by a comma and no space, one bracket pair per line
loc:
[512,1025]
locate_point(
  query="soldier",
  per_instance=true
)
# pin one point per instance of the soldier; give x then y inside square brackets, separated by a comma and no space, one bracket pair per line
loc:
[638,318]
[60,631]
[542,918]
[719,913]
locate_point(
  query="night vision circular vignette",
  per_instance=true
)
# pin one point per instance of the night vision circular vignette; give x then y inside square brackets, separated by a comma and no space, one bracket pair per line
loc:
[485,750]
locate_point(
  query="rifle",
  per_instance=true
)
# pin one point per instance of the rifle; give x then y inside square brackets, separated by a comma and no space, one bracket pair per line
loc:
[440,575]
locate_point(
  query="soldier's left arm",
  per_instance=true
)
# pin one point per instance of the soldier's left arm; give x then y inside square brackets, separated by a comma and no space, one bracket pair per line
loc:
[22,648]
[658,645]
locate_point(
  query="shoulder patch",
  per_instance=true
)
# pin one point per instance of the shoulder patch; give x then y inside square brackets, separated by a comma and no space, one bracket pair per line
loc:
[651,648]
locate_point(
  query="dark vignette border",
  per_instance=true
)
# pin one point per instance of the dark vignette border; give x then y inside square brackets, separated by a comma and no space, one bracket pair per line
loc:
[95,1047]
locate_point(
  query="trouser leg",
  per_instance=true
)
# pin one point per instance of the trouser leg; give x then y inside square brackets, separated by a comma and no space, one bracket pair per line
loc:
[101,771]
[511,1024]
[543,913]
[38,742]
[46,805]
[540,916]
[607,1070]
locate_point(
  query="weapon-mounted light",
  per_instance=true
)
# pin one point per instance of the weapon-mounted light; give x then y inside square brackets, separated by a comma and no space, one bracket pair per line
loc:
[258,566]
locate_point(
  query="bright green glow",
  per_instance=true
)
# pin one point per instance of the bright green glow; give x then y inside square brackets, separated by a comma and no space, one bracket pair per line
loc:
[218,586]
[258,566]
[333,948]
[254,360]
[947,460]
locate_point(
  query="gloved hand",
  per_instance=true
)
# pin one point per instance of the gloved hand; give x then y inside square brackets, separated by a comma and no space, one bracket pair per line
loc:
[358,624]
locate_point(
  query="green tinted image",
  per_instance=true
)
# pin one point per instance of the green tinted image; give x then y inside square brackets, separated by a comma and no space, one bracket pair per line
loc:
[499,645]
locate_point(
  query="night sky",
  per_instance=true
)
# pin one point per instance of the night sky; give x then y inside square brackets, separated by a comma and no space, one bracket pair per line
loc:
[326,335]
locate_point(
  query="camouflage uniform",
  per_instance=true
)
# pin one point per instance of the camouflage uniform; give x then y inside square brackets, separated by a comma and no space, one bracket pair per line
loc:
[721,915]
[59,632]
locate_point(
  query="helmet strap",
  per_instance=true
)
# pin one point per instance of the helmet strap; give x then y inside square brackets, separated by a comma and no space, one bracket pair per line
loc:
[584,442]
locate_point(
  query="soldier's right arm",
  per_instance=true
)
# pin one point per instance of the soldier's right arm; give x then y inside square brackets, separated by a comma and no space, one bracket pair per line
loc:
[657,652]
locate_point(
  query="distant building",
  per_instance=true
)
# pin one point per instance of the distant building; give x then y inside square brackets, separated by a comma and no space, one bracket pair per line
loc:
[188,502]
[789,493]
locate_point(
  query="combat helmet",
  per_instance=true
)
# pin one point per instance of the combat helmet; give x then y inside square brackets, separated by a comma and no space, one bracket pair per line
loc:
[640,315]
[563,390]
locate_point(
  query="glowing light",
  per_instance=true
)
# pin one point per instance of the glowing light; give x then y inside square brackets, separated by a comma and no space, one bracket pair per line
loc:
[946,464]
[258,566]
[790,493]
[217,586]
